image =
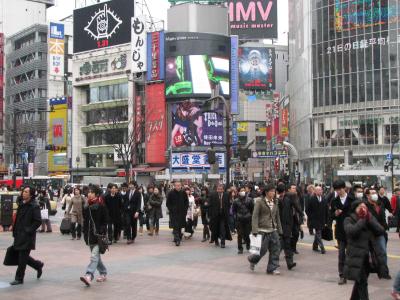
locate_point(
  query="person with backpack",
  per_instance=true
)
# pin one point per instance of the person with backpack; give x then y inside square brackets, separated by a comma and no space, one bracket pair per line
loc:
[94,226]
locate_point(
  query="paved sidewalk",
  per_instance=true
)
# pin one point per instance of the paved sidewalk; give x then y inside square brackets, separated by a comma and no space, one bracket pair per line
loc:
[154,268]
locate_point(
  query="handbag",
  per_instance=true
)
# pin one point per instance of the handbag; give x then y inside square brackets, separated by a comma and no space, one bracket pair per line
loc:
[392,221]
[327,233]
[11,258]
[102,240]
[44,213]
[255,244]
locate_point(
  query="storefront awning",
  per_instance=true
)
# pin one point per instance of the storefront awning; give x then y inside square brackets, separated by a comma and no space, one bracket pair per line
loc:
[148,169]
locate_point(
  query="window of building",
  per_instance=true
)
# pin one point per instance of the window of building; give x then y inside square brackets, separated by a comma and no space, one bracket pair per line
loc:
[242,140]
[109,92]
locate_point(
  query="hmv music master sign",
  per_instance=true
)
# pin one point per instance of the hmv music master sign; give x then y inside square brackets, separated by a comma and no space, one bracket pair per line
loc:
[103,25]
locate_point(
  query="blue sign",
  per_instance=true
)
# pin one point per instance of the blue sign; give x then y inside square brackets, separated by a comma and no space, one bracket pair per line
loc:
[235,138]
[389,156]
[234,75]
[58,101]
[56,31]
[195,161]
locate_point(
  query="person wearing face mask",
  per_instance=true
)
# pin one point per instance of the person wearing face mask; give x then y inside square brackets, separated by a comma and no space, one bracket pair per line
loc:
[242,211]
[358,192]
[377,209]
[155,211]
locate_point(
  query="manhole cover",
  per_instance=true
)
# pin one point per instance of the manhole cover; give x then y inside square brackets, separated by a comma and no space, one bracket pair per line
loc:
[4,285]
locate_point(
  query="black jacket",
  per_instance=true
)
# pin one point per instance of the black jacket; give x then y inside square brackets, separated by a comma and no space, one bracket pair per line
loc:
[361,240]
[337,204]
[114,207]
[288,207]
[98,215]
[155,206]
[317,212]
[386,203]
[44,203]
[217,214]
[243,209]
[177,204]
[381,216]
[27,221]
[204,207]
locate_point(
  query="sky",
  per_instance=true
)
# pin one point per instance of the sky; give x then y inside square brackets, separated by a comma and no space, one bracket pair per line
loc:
[158,10]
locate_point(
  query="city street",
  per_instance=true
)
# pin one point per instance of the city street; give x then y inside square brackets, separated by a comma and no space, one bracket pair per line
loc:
[154,268]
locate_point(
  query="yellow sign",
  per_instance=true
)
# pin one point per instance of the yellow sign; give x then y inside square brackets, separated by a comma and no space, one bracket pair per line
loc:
[57,137]
[242,126]
[56,46]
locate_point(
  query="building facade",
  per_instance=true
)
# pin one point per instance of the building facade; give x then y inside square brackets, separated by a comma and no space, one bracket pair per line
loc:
[344,86]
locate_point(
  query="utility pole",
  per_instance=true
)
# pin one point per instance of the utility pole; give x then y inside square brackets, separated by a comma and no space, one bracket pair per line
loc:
[392,162]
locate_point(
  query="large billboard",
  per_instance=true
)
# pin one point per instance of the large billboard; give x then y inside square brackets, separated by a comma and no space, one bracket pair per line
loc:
[257,68]
[253,19]
[193,126]
[103,25]
[155,56]
[156,124]
[360,14]
[196,64]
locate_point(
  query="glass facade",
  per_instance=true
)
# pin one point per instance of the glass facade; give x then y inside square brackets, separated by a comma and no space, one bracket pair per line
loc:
[108,92]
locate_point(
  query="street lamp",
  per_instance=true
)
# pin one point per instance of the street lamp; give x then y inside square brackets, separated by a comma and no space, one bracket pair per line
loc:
[78,160]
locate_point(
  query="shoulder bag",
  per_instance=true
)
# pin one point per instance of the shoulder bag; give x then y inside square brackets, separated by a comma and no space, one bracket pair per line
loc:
[102,240]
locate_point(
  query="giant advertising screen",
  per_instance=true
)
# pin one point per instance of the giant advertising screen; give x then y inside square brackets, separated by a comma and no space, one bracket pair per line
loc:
[194,126]
[196,64]
[253,19]
[103,25]
[257,68]
[360,14]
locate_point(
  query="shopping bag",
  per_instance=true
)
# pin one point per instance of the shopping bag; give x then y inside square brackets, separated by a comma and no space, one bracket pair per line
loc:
[255,244]
[11,258]
[44,213]
[327,233]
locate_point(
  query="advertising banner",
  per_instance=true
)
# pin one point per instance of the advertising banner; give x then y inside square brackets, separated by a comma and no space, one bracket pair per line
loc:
[138,119]
[275,115]
[257,68]
[139,44]
[155,56]
[242,127]
[234,75]
[268,122]
[56,49]
[103,25]
[196,64]
[195,160]
[285,122]
[58,135]
[191,126]
[270,154]
[253,19]
[156,124]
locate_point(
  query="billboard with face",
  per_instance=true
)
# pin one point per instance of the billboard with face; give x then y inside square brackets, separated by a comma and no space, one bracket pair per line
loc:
[196,64]
[193,126]
[103,25]
[257,68]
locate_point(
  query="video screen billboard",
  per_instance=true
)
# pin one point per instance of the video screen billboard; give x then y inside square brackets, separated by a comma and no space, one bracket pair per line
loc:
[193,126]
[196,64]
[257,68]
[360,14]
[103,25]
[253,19]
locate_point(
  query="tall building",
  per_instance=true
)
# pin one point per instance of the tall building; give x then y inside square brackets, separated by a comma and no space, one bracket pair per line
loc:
[344,86]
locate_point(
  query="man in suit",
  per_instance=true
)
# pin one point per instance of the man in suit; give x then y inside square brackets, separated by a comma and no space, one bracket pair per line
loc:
[27,221]
[219,215]
[317,212]
[340,210]
[131,211]
[177,204]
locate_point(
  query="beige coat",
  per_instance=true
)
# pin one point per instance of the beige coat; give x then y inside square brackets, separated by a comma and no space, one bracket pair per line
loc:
[75,209]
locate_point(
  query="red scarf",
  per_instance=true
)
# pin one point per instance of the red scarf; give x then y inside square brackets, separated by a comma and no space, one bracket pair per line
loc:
[96,200]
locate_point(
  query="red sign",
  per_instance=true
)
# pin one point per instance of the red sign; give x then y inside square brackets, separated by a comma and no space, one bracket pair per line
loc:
[275,115]
[156,124]
[57,131]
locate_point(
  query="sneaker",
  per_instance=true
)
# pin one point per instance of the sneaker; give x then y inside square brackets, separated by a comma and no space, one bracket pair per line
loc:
[395,295]
[274,272]
[87,279]
[101,278]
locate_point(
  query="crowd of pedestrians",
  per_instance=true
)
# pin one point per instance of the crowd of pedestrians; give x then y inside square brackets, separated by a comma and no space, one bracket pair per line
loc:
[354,216]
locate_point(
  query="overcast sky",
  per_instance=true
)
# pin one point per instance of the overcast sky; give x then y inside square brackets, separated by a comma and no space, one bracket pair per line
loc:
[158,10]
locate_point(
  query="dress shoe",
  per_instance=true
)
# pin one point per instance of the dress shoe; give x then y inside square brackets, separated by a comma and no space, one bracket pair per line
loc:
[240,251]
[291,266]
[315,249]
[252,266]
[40,271]
[222,245]
[296,252]
[323,251]
[387,277]
[177,243]
[342,281]
[16,282]
[217,243]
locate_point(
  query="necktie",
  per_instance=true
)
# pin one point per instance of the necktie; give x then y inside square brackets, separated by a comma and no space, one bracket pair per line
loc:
[220,201]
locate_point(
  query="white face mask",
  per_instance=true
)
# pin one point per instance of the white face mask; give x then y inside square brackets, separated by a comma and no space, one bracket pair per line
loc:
[359,195]
[374,197]
[242,194]
[123,193]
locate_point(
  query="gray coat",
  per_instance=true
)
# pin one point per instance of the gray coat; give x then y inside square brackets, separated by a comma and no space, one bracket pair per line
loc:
[264,219]
[155,206]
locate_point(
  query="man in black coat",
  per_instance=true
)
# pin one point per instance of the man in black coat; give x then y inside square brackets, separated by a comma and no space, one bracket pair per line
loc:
[317,213]
[113,202]
[219,216]
[177,204]
[131,211]
[340,210]
[27,221]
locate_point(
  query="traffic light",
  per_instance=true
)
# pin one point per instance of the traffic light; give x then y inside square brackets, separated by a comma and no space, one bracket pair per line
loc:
[244,154]
[211,156]
[48,147]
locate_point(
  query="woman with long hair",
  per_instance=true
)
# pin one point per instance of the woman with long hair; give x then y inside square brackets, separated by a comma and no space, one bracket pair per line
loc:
[189,215]
[205,218]
[155,211]
[75,211]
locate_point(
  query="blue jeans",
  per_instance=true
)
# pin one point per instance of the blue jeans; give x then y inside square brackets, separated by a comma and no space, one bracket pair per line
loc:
[382,244]
[396,284]
[95,262]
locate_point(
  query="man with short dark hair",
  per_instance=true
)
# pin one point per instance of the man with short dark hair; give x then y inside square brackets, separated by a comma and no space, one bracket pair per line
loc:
[177,204]
[113,201]
[219,216]
[340,210]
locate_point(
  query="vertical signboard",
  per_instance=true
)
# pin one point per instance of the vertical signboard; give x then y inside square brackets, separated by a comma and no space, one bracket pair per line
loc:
[275,115]
[56,49]
[234,75]
[268,123]
[58,136]
[1,82]
[138,119]
[285,122]
[156,124]
[155,56]
[138,44]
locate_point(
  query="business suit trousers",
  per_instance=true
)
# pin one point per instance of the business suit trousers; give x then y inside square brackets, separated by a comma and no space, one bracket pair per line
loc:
[25,259]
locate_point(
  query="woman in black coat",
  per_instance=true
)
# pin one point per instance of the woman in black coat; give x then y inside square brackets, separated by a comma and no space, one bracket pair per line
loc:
[27,221]
[361,230]
[155,211]
[205,218]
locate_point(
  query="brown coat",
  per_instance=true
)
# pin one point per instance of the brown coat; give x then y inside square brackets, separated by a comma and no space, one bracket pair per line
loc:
[75,209]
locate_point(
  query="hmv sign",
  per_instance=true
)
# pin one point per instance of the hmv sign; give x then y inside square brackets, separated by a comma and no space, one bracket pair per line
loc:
[253,19]
[103,25]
